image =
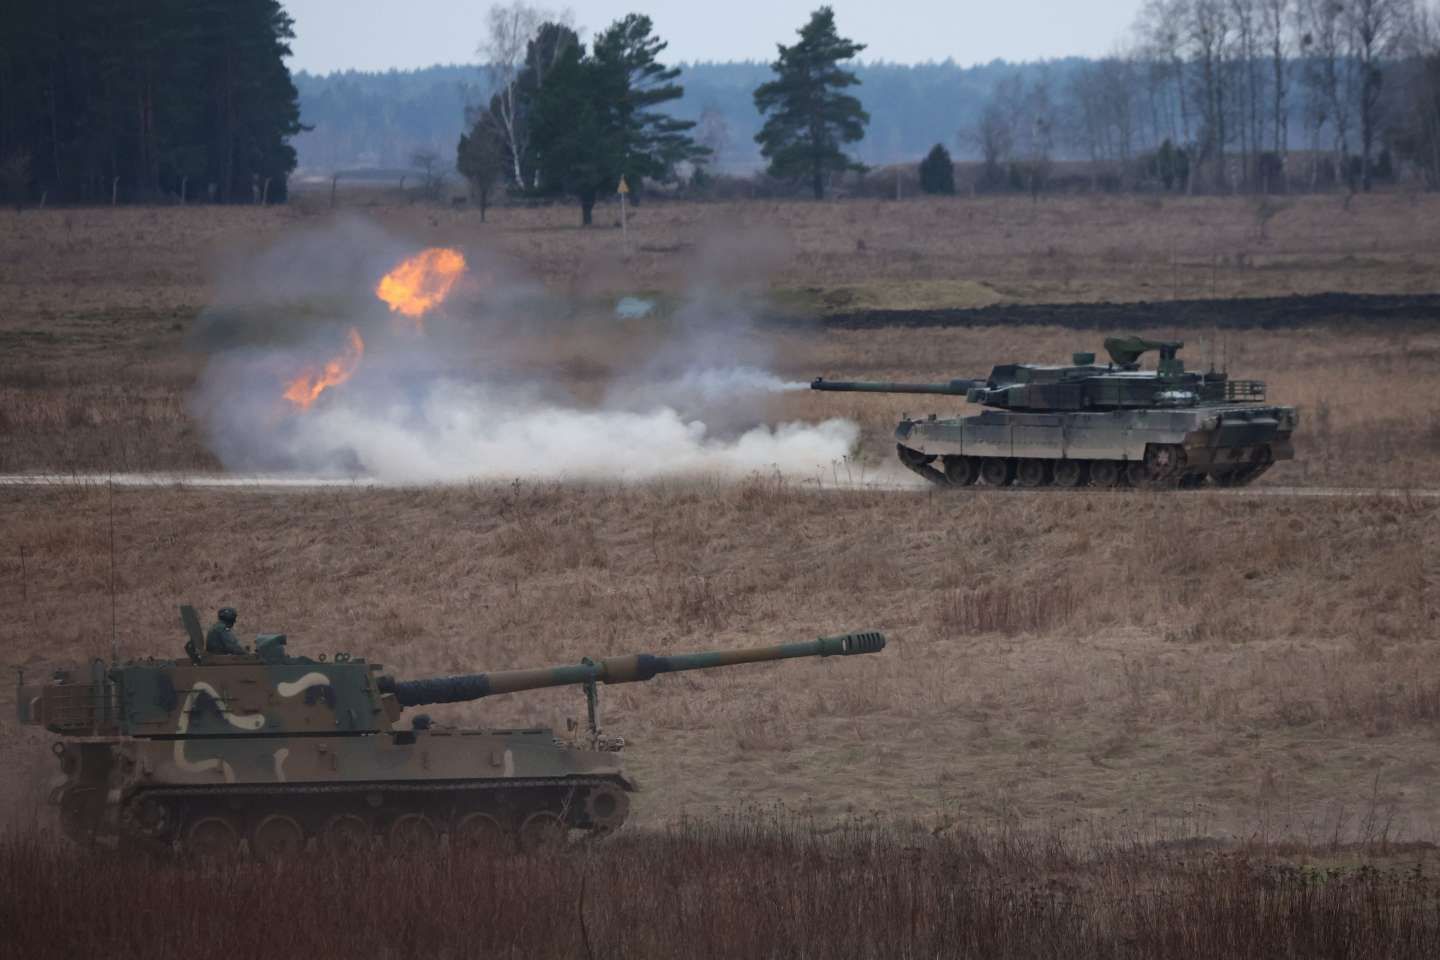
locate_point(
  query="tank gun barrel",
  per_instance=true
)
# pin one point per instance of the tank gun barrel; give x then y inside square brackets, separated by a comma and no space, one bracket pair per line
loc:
[625,669]
[952,387]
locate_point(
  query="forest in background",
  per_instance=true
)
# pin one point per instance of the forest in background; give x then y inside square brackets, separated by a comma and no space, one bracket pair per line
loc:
[145,100]
[378,120]
[1203,95]
[191,100]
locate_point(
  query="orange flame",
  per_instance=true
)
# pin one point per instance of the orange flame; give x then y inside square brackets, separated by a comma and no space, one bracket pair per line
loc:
[304,389]
[422,282]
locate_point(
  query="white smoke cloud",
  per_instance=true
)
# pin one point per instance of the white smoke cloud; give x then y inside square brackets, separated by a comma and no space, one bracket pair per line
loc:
[456,432]
[446,406]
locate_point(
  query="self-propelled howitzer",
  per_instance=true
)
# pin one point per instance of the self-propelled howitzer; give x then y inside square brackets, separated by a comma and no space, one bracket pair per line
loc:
[1106,424]
[273,751]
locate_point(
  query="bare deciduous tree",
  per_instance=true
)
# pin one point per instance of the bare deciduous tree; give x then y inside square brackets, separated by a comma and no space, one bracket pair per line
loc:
[1105,108]
[1039,135]
[1373,29]
[1329,76]
[1160,28]
[1210,33]
[1249,83]
[426,162]
[995,133]
[1275,17]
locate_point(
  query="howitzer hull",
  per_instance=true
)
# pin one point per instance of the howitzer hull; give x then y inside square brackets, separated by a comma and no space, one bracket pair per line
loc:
[407,789]
[277,753]
[1226,444]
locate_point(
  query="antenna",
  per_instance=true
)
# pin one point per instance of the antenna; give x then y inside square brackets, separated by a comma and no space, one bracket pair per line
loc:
[114,640]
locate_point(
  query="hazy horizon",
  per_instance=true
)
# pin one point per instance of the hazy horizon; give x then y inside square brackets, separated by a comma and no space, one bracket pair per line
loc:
[364,35]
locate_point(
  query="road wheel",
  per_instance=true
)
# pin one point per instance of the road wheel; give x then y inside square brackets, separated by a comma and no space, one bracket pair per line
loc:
[413,833]
[213,837]
[1070,473]
[1032,472]
[345,833]
[607,807]
[1105,473]
[277,838]
[150,818]
[996,471]
[542,831]
[1140,476]
[480,833]
[961,471]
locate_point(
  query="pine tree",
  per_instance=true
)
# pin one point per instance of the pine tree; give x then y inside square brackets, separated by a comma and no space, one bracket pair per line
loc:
[141,98]
[653,143]
[810,115]
[593,120]
[937,171]
[573,136]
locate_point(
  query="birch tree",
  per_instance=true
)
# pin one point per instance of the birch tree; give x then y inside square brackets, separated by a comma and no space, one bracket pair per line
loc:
[511,27]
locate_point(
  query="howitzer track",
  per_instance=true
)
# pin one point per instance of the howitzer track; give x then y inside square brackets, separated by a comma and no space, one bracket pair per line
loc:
[281,819]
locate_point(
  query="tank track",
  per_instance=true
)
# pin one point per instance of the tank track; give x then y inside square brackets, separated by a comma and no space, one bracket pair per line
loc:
[1126,474]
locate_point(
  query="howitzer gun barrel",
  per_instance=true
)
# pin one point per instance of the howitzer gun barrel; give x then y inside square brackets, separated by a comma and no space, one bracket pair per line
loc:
[953,387]
[626,669]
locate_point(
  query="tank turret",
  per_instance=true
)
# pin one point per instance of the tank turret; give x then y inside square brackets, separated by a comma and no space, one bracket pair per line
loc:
[276,750]
[1106,424]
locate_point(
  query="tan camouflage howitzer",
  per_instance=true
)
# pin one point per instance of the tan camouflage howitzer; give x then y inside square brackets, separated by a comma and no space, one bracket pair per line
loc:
[1104,425]
[275,750]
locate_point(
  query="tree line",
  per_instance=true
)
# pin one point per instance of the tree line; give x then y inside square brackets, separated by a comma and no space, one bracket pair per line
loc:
[139,100]
[1218,95]
[587,123]
[190,99]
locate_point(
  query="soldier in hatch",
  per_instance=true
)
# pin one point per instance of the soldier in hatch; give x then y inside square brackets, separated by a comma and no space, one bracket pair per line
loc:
[220,638]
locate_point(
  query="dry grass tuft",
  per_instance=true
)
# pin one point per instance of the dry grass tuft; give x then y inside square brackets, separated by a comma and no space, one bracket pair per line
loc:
[739,888]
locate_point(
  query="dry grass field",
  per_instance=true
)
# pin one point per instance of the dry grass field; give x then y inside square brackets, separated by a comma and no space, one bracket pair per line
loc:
[97,360]
[1241,665]
[733,889]
[1179,671]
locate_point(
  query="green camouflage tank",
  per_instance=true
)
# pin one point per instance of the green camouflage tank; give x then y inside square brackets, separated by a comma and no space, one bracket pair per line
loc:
[275,752]
[1093,424]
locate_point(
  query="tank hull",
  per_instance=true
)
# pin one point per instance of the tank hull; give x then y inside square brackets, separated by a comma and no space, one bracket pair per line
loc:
[1228,444]
[404,788]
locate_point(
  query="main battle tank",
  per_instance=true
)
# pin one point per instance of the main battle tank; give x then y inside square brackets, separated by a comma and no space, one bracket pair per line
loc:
[274,750]
[1105,425]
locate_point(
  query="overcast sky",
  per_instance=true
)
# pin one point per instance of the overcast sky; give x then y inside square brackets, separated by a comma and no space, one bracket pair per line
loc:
[379,34]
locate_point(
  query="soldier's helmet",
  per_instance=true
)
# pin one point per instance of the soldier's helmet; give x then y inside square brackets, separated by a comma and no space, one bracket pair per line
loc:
[227,615]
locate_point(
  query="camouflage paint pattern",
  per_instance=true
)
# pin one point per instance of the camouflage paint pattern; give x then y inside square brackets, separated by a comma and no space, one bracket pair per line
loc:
[1106,424]
[277,749]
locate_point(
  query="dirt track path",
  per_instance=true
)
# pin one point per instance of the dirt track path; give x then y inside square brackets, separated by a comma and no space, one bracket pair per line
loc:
[283,483]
